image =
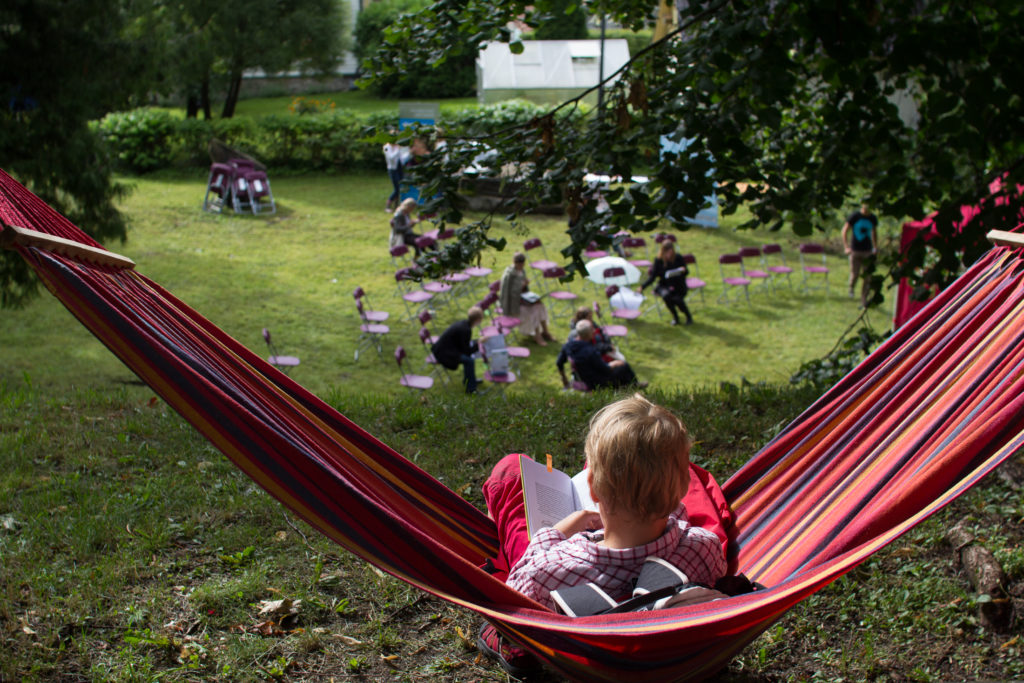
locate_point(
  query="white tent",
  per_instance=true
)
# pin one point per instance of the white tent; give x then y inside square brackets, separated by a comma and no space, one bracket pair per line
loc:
[546,70]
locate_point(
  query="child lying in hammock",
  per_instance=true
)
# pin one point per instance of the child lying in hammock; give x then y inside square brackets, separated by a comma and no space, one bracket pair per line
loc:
[638,464]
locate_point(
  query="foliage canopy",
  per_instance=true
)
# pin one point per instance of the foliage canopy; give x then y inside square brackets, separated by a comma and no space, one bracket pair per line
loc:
[795,109]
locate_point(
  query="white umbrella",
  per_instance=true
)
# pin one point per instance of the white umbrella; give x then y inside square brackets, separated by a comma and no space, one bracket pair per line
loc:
[597,268]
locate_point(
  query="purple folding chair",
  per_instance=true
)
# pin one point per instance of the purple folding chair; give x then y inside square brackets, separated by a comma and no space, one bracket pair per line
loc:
[693,280]
[282,363]
[753,267]
[420,382]
[776,262]
[731,268]
[415,299]
[369,315]
[620,313]
[542,263]
[371,335]
[814,266]
[564,297]
[218,185]
[638,243]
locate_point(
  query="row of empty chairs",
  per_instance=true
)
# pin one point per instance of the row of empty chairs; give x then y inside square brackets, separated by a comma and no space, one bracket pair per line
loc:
[766,266]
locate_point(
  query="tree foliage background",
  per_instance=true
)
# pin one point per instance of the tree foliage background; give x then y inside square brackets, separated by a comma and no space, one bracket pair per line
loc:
[64,64]
[791,109]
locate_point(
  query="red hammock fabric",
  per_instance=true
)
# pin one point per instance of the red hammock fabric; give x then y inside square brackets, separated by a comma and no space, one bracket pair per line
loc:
[911,428]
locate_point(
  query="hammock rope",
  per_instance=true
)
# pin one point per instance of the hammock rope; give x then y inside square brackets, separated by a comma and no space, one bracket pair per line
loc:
[919,422]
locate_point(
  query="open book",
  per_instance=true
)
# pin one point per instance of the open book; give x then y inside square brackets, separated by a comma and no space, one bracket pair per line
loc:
[675,272]
[530,297]
[551,496]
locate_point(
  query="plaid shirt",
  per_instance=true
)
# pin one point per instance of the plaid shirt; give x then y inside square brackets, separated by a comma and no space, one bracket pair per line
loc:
[553,561]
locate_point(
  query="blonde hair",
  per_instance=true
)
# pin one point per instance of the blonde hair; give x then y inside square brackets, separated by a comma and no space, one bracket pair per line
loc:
[475,314]
[407,202]
[639,456]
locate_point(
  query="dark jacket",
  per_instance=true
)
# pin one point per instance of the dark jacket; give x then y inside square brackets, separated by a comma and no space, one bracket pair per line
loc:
[658,270]
[455,342]
[591,367]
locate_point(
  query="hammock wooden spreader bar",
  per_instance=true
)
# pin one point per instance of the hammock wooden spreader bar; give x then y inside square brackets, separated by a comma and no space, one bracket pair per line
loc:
[920,421]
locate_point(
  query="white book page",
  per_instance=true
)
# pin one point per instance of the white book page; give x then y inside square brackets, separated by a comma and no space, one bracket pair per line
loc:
[675,272]
[581,488]
[549,496]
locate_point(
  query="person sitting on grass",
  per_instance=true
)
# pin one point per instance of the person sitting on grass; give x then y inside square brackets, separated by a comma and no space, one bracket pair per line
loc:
[638,471]
[601,340]
[590,366]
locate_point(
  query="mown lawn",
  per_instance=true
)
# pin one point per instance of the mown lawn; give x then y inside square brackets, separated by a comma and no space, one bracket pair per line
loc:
[133,551]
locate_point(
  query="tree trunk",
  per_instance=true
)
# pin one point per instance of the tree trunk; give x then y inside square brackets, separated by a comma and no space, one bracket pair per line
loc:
[232,97]
[191,107]
[204,99]
[986,576]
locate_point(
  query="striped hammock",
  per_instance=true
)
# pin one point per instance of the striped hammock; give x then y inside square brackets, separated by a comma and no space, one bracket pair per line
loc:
[926,416]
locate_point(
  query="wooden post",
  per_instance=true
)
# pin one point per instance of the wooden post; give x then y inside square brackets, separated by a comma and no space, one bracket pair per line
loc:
[1002,238]
[14,235]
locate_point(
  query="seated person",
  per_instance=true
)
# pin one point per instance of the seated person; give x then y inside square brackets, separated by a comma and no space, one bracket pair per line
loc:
[591,368]
[638,470]
[455,346]
[533,315]
[601,341]
[670,270]
[401,225]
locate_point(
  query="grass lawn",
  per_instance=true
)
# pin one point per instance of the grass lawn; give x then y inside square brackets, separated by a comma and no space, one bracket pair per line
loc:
[134,551]
[295,272]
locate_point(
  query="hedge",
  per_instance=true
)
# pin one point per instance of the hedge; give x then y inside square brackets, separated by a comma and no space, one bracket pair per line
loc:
[146,139]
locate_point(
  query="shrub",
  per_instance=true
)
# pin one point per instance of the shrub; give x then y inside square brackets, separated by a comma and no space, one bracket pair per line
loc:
[139,139]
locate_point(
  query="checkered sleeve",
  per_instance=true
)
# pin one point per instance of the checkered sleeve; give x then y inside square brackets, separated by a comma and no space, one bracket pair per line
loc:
[540,571]
[699,555]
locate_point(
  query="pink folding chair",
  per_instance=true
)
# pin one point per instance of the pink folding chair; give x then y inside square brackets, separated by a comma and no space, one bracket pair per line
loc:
[814,266]
[612,329]
[436,369]
[400,255]
[282,363]
[500,380]
[371,335]
[593,251]
[753,267]
[218,185]
[731,268]
[368,314]
[693,280]
[542,263]
[563,297]
[425,317]
[777,265]
[637,243]
[415,299]
[419,382]
[620,313]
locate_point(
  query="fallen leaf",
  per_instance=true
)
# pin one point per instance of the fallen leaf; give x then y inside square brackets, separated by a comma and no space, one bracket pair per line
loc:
[464,638]
[284,606]
[27,630]
[7,522]
[389,659]
[348,640]
[152,401]
[281,535]
[1010,643]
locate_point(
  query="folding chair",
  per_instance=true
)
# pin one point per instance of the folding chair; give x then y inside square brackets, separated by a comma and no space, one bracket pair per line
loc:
[367,314]
[777,265]
[436,369]
[593,251]
[515,353]
[282,363]
[420,382]
[424,318]
[620,313]
[541,264]
[693,280]
[218,184]
[812,268]
[564,297]
[612,330]
[370,334]
[400,255]
[415,299]
[499,377]
[731,268]
[638,243]
[249,188]
[756,272]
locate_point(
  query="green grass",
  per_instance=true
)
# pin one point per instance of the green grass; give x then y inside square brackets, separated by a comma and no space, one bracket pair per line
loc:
[295,272]
[132,550]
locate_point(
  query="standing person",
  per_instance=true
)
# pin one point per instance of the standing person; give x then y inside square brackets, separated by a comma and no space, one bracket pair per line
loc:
[860,241]
[639,471]
[401,225]
[670,270]
[394,159]
[456,347]
[591,367]
[532,314]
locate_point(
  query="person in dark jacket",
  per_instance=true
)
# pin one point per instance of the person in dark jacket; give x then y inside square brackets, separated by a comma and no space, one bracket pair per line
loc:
[590,366]
[670,270]
[456,347]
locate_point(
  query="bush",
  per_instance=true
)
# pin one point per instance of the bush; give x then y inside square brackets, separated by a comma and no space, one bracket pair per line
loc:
[139,139]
